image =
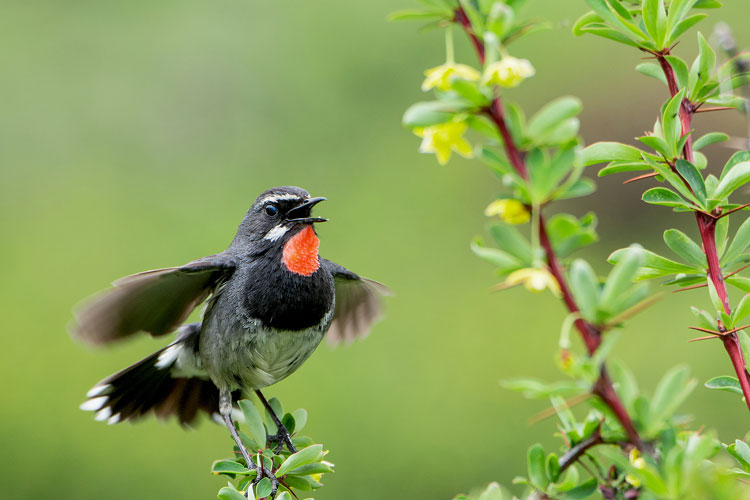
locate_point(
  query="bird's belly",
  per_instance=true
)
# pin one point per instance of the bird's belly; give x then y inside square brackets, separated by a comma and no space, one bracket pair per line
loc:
[258,357]
[272,354]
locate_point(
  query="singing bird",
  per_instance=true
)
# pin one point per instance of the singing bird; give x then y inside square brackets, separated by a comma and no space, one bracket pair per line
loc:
[270,300]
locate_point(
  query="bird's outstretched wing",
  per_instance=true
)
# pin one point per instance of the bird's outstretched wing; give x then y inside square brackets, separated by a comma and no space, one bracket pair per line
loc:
[156,302]
[359,304]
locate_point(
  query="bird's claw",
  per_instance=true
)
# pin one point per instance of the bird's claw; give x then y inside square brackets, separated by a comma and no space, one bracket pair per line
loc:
[264,472]
[281,438]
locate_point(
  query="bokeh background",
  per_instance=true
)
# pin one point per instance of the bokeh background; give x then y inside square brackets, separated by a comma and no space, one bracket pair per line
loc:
[134,135]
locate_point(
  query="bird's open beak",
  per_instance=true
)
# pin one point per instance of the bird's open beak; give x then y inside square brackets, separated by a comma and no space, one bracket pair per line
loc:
[305,208]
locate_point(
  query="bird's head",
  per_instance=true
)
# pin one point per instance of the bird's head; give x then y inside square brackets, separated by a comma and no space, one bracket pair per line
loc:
[277,215]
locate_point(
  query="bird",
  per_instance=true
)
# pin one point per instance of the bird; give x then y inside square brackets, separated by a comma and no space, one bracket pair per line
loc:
[270,299]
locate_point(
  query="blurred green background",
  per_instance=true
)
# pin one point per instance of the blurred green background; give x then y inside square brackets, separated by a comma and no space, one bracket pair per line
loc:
[134,135]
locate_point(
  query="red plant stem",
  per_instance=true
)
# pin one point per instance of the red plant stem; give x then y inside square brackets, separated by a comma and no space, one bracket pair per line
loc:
[707,228]
[461,18]
[591,336]
[589,333]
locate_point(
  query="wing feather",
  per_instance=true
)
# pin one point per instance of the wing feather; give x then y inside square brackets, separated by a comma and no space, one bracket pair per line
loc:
[359,304]
[156,302]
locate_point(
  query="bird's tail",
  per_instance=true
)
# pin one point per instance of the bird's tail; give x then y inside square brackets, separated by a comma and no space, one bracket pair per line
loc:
[155,384]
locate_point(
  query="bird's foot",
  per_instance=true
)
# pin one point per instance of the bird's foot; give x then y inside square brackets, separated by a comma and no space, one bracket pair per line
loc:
[264,472]
[281,438]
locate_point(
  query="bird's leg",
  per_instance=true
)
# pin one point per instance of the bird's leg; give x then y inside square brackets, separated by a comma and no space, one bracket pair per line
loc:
[225,408]
[282,434]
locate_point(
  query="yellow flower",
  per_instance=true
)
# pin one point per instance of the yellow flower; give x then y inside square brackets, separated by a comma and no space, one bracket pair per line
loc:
[440,76]
[510,211]
[508,72]
[639,463]
[442,138]
[535,280]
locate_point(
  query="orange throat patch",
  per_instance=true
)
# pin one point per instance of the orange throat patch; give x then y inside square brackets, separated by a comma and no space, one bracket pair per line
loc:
[300,254]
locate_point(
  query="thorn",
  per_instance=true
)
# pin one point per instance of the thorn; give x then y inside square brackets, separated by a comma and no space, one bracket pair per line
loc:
[644,176]
[551,411]
[732,211]
[707,337]
[704,330]
[715,108]
[691,287]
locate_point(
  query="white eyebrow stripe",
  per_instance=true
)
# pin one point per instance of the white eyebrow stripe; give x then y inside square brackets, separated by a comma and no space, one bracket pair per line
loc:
[281,197]
[276,232]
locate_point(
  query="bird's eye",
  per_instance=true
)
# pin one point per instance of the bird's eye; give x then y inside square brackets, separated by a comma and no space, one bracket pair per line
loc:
[271,210]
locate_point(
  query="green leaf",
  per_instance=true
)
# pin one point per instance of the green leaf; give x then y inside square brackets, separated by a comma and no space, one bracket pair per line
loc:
[585,20]
[620,278]
[263,488]
[313,468]
[553,467]
[671,391]
[254,423]
[686,248]
[683,26]
[536,466]
[738,157]
[741,451]
[601,152]
[742,310]
[653,70]
[739,282]
[551,116]
[739,243]
[627,385]
[654,261]
[581,187]
[680,69]
[720,235]
[694,178]
[617,167]
[567,233]
[415,15]
[655,19]
[704,318]
[736,177]
[510,240]
[302,457]
[469,91]
[657,144]
[744,346]
[671,123]
[230,467]
[300,419]
[580,492]
[227,493]
[492,492]
[425,114]
[706,58]
[585,287]
[665,197]
[502,260]
[708,139]
[724,383]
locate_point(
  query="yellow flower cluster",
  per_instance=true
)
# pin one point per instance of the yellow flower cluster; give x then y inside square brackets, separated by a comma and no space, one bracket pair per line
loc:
[440,76]
[443,138]
[508,72]
[510,211]
[639,463]
[535,280]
